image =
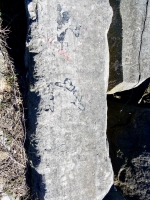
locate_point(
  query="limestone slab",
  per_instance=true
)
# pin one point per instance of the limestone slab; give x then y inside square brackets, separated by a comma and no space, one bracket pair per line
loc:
[129,46]
[68,60]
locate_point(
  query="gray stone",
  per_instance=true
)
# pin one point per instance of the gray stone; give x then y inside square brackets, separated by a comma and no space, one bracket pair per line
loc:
[129,47]
[68,62]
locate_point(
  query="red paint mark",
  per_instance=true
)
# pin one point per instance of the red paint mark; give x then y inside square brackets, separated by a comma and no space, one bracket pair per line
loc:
[78,47]
[50,40]
[44,37]
[62,52]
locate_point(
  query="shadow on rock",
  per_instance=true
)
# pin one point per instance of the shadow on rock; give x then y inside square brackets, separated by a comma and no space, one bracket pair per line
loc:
[128,134]
[113,194]
[34,179]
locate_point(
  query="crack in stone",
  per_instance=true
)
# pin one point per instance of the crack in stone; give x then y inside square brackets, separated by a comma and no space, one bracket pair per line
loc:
[142,40]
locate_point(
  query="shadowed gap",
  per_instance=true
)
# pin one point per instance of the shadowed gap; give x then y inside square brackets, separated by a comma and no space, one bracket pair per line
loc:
[13,15]
[124,110]
[115,46]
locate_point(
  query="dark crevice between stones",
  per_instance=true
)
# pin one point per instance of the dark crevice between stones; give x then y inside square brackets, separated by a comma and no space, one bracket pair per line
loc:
[37,185]
[13,14]
[138,96]
[115,46]
[139,57]
[128,133]
[115,67]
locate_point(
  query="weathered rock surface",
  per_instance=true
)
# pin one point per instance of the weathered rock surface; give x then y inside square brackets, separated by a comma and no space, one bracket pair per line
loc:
[68,62]
[128,134]
[129,49]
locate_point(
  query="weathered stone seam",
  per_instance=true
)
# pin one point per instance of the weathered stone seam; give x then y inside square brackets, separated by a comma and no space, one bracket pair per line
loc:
[139,57]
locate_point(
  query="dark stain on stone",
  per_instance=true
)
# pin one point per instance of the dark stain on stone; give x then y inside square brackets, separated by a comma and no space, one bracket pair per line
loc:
[59,8]
[69,85]
[59,21]
[62,17]
[65,17]
[76,31]
[61,37]
[71,88]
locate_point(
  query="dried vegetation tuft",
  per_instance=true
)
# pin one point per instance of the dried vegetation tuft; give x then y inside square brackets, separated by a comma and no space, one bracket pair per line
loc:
[12,130]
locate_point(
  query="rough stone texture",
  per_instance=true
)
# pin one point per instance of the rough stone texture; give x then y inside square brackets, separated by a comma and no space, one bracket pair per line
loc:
[68,62]
[130,60]
[128,134]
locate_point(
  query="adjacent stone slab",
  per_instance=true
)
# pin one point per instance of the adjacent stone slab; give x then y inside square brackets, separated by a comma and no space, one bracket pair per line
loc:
[68,64]
[130,61]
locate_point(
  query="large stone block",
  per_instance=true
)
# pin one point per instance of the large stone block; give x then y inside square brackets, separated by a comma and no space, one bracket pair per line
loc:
[68,62]
[129,47]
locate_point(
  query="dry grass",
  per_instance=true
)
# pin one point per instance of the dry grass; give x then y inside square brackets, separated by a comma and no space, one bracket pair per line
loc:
[3,35]
[12,130]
